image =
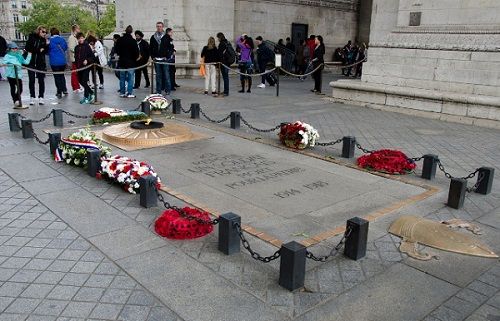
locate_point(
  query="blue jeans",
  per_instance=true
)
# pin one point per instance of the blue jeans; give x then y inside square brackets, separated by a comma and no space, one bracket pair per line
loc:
[225,78]
[162,78]
[127,76]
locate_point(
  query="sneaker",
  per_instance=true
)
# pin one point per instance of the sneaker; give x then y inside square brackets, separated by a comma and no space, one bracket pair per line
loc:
[261,86]
[40,101]
[123,95]
[147,86]
[17,104]
[206,92]
[130,96]
[32,101]
[214,94]
[101,86]
[65,93]
[83,100]
[59,96]
[91,99]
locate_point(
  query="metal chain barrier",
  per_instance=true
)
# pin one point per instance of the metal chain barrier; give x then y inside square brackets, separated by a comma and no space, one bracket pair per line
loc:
[255,255]
[339,65]
[244,121]
[35,136]
[249,75]
[126,69]
[449,176]
[65,72]
[183,214]
[43,119]
[364,150]
[475,187]
[333,252]
[335,142]
[186,111]
[417,159]
[76,116]
[212,120]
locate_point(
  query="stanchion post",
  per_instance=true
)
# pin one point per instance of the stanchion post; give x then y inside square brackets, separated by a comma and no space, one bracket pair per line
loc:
[146,108]
[93,162]
[176,106]
[14,125]
[456,195]
[429,166]
[195,111]
[153,81]
[348,144]
[355,243]
[94,79]
[486,175]
[292,265]
[54,140]
[57,117]
[278,81]
[229,239]
[27,128]
[148,191]
[235,119]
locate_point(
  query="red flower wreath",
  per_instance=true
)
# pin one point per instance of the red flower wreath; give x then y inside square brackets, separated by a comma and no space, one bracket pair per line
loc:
[387,161]
[173,226]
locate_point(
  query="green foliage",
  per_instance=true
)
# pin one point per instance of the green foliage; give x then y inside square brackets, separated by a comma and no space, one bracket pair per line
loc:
[51,13]
[119,119]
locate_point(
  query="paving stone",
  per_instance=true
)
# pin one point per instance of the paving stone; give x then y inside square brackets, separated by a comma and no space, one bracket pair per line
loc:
[63,292]
[141,298]
[134,313]
[37,291]
[482,288]
[49,277]
[4,302]
[99,281]
[78,309]
[25,276]
[106,311]
[89,294]
[161,314]
[84,267]
[495,301]
[15,263]
[463,307]
[61,266]
[23,305]
[472,296]
[76,279]
[117,296]
[28,252]
[12,317]
[41,318]
[51,307]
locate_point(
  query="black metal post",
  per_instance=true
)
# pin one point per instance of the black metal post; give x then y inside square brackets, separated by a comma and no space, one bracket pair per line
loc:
[27,128]
[152,82]
[229,239]
[278,81]
[57,117]
[94,76]
[292,265]
[146,108]
[235,119]
[176,106]
[456,195]
[93,162]
[218,77]
[54,140]
[195,111]
[429,167]
[348,144]
[148,191]
[14,125]
[486,175]
[355,243]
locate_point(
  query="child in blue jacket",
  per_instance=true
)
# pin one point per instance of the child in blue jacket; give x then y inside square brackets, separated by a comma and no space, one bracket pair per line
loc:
[14,59]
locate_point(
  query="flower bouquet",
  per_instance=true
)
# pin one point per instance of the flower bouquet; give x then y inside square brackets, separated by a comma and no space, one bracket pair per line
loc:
[113,115]
[171,224]
[73,149]
[126,171]
[157,102]
[298,135]
[387,161]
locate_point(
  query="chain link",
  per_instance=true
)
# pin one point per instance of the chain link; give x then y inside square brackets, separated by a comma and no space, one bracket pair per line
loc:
[254,254]
[43,119]
[244,121]
[35,136]
[449,176]
[364,150]
[335,142]
[76,116]
[212,120]
[417,159]
[333,252]
[182,213]
[475,187]
[186,111]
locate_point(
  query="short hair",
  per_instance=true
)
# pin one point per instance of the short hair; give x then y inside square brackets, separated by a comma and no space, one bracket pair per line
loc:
[221,36]
[312,36]
[259,38]
[160,23]
[168,30]
[54,31]
[287,38]
[139,33]
[80,35]
[74,27]
[129,29]
[116,36]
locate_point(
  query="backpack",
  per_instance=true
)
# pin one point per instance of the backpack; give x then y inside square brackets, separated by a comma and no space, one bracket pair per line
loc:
[229,54]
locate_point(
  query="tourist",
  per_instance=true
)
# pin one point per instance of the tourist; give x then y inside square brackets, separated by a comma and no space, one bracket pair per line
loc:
[84,56]
[100,60]
[113,56]
[280,47]
[360,59]
[128,53]
[346,52]
[3,52]
[289,45]
[311,44]
[159,48]
[318,60]
[14,73]
[143,59]
[264,57]
[171,68]
[245,65]
[57,58]
[228,57]
[300,57]
[210,56]
[72,43]
[37,44]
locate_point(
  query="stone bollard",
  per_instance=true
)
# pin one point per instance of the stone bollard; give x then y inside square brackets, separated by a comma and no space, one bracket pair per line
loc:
[292,266]
[429,166]
[235,119]
[93,162]
[27,128]
[54,140]
[487,174]
[355,243]
[229,239]
[57,117]
[195,111]
[148,191]
[14,122]
[176,106]
[456,195]
[348,144]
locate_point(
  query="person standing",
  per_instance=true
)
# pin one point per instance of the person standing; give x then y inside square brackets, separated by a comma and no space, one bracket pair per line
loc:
[227,56]
[13,72]
[158,48]
[143,59]
[84,56]
[246,46]
[128,53]
[37,45]
[113,56]
[210,55]
[3,52]
[264,57]
[57,58]
[318,60]
[171,59]
[300,57]
[72,43]
[100,60]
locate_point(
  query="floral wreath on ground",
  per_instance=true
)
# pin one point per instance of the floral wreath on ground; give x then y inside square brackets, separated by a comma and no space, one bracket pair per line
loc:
[298,135]
[157,102]
[126,172]
[114,115]
[73,149]
[171,224]
[387,161]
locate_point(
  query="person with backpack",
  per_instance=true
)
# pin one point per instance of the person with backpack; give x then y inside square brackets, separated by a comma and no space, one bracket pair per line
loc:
[246,46]
[57,58]
[14,59]
[227,55]
[264,56]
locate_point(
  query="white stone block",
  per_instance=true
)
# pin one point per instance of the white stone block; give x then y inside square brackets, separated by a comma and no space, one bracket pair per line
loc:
[405,102]
[454,109]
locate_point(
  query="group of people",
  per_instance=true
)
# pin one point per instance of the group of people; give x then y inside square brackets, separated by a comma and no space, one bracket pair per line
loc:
[351,54]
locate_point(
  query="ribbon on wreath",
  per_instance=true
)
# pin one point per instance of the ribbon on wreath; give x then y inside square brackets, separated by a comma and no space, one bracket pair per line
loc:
[58,155]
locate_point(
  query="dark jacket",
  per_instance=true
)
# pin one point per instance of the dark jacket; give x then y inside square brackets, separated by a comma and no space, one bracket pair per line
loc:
[83,52]
[128,51]
[222,49]
[3,46]
[264,56]
[164,50]
[38,48]
[210,55]
[319,54]
[143,51]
